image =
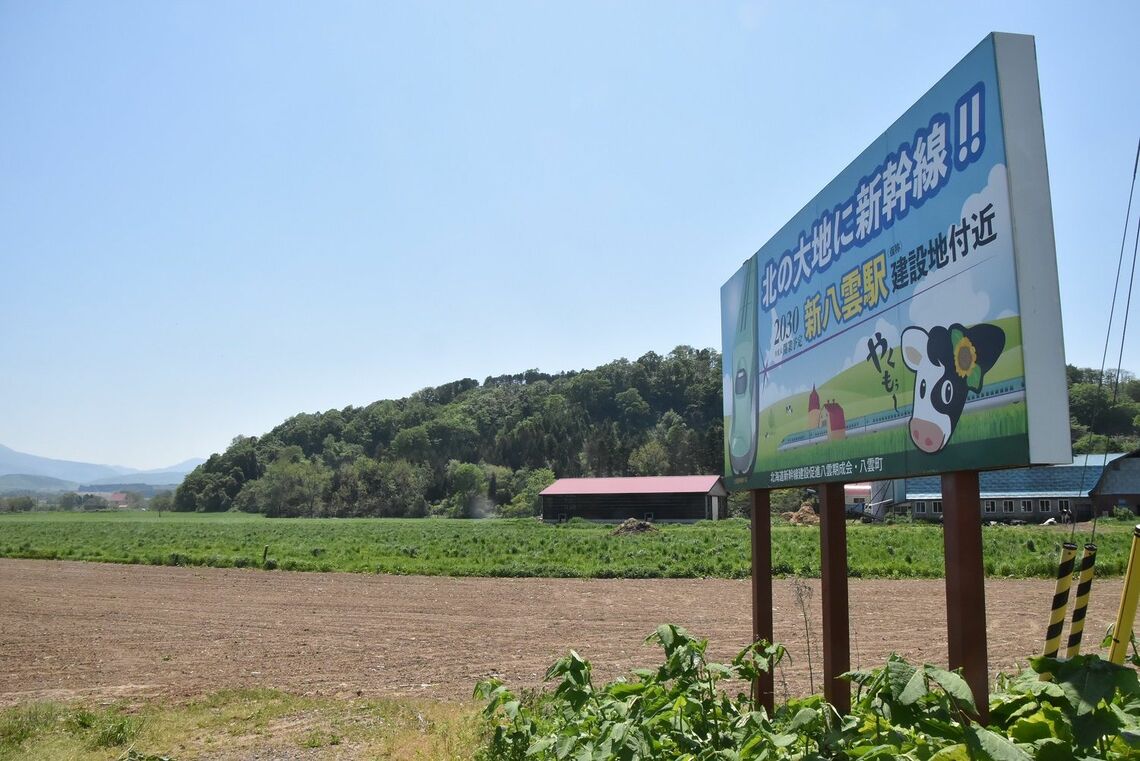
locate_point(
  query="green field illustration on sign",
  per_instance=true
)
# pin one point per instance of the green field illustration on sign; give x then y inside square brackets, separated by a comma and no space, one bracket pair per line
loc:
[841,420]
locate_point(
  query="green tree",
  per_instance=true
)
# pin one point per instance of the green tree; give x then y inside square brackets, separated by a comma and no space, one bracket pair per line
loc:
[528,484]
[380,489]
[162,502]
[633,410]
[93,502]
[602,451]
[499,483]
[337,452]
[20,504]
[412,444]
[649,459]
[289,488]
[681,445]
[467,491]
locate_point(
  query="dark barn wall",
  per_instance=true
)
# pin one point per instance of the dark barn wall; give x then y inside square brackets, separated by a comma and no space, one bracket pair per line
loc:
[1107,502]
[618,507]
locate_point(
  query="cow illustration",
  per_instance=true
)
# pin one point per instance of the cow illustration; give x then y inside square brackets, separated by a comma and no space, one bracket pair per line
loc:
[947,363]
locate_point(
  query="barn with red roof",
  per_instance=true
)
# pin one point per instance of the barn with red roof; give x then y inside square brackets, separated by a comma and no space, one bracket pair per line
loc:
[651,498]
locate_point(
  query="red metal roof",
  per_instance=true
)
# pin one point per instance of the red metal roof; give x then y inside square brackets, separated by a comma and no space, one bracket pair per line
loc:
[639,485]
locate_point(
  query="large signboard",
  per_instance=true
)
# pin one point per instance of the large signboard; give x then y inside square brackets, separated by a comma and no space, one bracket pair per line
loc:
[907,321]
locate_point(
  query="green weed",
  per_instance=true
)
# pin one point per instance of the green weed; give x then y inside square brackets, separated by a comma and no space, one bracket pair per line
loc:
[680,711]
[522,547]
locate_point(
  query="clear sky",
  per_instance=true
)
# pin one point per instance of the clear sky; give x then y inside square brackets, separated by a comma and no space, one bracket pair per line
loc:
[215,215]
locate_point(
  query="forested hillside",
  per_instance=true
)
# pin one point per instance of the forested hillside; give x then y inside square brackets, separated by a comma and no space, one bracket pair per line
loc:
[469,448]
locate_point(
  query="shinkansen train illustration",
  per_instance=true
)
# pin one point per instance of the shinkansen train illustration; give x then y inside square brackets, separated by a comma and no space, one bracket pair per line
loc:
[745,391]
[993,395]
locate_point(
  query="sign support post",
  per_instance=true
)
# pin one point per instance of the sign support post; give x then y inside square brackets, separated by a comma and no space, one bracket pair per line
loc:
[764,689]
[965,583]
[836,614]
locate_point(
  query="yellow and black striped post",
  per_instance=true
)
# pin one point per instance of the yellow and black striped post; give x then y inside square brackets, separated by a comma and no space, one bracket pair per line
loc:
[1122,631]
[1081,603]
[1060,599]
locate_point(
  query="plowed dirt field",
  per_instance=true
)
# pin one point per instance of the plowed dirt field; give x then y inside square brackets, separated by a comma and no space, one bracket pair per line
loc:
[99,631]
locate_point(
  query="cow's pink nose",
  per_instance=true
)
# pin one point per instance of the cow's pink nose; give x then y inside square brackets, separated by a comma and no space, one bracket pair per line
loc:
[926,435]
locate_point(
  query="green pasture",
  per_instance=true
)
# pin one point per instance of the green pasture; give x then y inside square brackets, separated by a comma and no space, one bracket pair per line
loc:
[523,547]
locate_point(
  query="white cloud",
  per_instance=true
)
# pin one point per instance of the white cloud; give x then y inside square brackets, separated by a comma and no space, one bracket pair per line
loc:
[996,192]
[956,300]
[960,296]
[883,327]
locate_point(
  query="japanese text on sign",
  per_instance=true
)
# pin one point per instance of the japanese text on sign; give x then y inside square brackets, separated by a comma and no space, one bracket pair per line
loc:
[905,179]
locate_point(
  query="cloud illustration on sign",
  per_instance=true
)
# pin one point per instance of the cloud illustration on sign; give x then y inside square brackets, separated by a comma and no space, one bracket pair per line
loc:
[884,328]
[955,300]
[959,296]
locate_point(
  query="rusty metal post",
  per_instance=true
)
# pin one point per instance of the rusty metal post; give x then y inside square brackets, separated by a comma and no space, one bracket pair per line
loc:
[764,690]
[836,611]
[965,583]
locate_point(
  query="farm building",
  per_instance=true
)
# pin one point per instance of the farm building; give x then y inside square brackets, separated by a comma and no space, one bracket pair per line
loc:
[1038,493]
[1119,483]
[653,498]
[835,420]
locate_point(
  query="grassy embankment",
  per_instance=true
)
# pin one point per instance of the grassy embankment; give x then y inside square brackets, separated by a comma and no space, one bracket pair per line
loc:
[241,724]
[522,547]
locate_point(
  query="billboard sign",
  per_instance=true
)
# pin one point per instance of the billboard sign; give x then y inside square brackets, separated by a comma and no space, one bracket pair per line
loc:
[907,320]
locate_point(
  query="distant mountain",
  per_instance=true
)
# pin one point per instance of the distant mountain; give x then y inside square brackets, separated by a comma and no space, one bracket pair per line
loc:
[146,490]
[24,484]
[21,463]
[149,478]
[183,467]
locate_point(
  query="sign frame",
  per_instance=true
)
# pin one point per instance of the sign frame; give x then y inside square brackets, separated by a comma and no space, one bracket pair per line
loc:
[1003,359]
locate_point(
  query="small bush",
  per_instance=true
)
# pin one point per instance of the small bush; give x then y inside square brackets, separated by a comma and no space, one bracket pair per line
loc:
[901,710]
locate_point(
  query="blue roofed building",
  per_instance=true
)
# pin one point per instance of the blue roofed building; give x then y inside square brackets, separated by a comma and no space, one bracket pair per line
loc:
[1042,492]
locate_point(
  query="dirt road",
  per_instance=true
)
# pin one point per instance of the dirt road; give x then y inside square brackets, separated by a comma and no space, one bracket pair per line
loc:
[100,631]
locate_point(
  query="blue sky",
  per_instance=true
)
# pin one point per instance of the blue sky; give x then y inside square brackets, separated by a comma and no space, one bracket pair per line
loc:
[216,215]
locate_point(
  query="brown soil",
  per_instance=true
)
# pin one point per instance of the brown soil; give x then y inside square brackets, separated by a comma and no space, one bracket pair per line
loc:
[632,526]
[71,630]
[805,516]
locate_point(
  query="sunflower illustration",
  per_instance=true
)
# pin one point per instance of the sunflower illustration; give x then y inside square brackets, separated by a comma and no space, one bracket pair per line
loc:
[966,359]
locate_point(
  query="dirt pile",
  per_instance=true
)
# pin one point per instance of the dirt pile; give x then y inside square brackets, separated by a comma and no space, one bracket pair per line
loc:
[805,516]
[633,526]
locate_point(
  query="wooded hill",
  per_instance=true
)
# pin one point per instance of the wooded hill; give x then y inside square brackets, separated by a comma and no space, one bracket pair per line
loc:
[469,449]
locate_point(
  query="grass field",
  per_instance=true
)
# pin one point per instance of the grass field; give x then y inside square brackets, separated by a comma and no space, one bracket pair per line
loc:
[522,547]
[241,723]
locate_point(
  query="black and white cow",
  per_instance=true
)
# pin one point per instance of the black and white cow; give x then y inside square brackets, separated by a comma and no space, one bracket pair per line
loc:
[947,363]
